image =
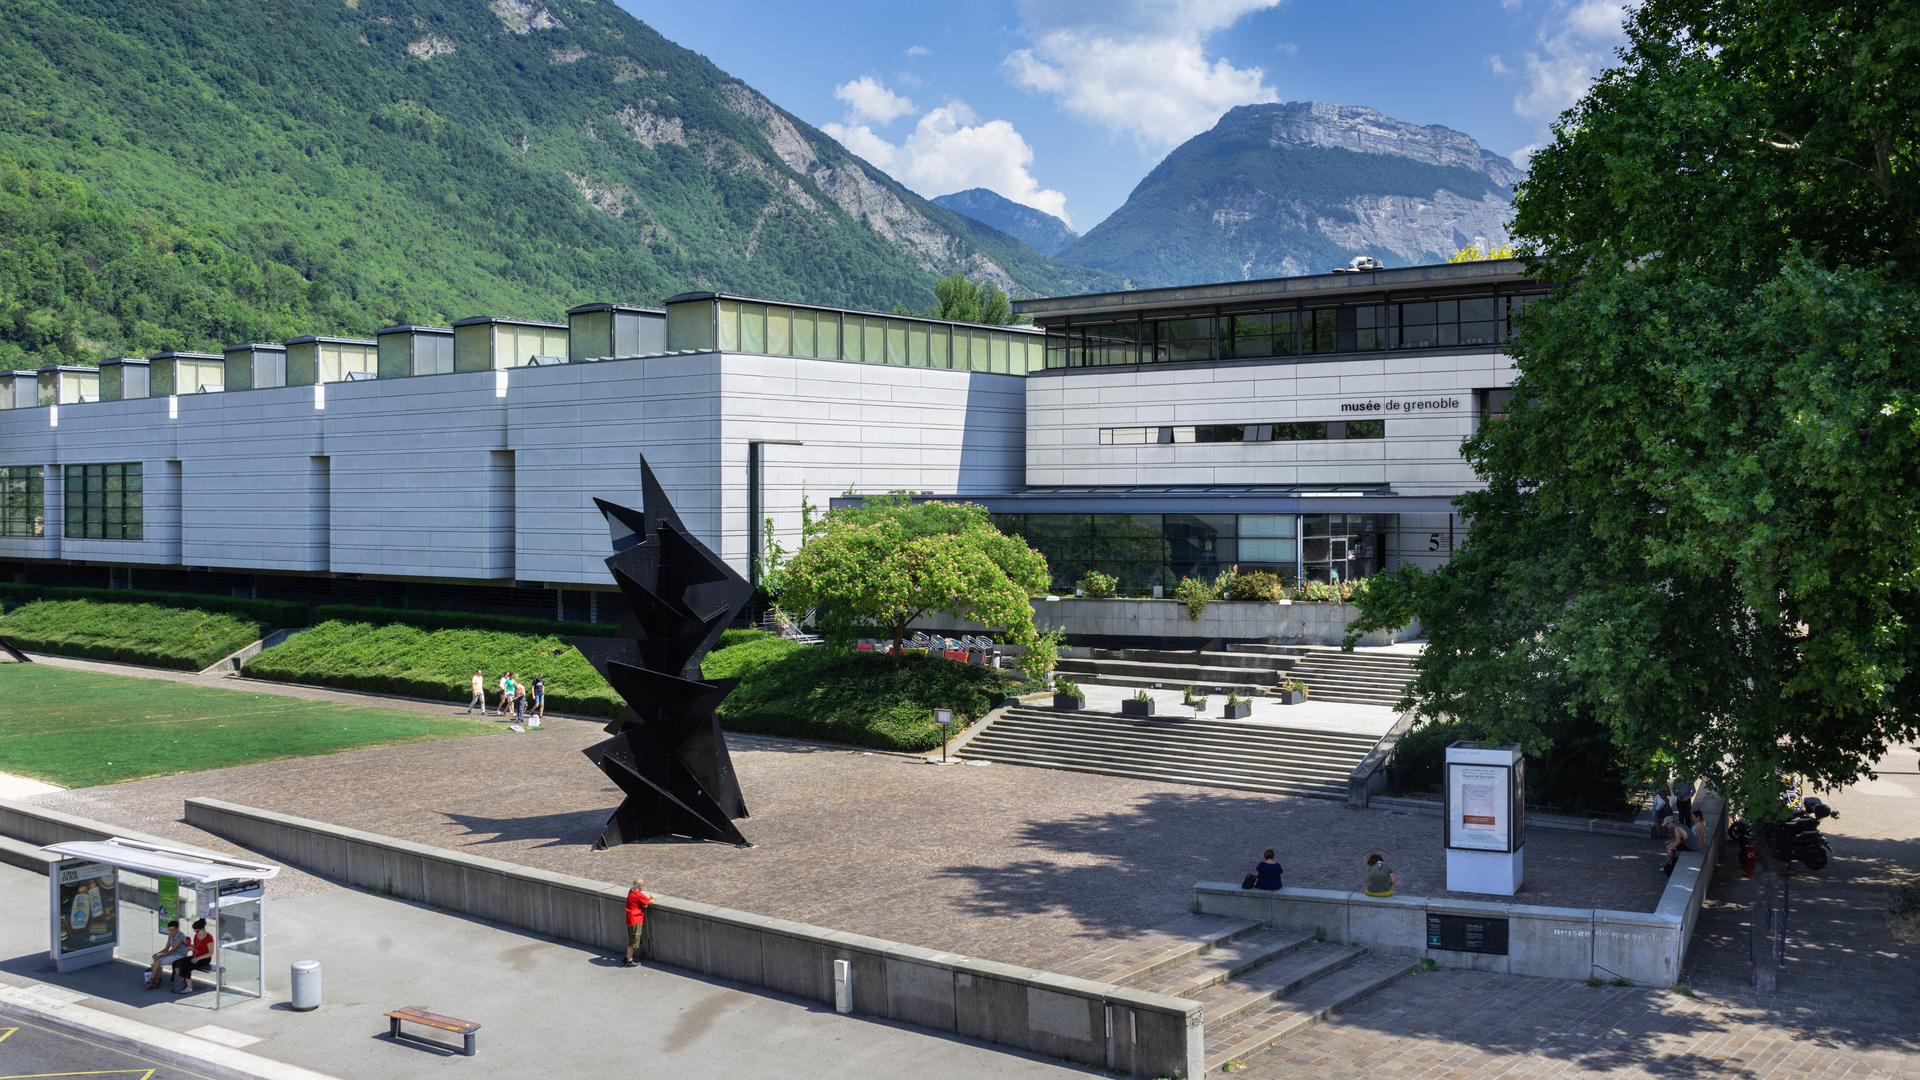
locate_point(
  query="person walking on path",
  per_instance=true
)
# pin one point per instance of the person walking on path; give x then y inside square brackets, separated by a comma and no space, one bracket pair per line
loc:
[506,692]
[1269,874]
[539,698]
[1380,877]
[637,901]
[479,693]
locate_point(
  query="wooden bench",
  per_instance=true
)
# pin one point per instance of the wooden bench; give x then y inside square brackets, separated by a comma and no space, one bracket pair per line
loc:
[416,1014]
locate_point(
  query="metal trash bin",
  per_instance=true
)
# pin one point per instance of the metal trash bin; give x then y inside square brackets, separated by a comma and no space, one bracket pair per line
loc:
[306,985]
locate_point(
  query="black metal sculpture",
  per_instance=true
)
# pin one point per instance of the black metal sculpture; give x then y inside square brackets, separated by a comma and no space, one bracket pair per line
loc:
[667,752]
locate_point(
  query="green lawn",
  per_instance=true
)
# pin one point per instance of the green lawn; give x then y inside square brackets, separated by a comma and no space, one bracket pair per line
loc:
[79,729]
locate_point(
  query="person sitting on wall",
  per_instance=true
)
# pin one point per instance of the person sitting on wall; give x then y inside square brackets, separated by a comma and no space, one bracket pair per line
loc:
[201,960]
[1683,839]
[1269,875]
[1380,877]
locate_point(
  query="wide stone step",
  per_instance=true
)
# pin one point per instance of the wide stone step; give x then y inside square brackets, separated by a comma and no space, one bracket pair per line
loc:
[1258,989]
[1225,961]
[1203,658]
[1185,727]
[1235,1038]
[1170,673]
[1171,771]
[1224,736]
[1135,682]
[1133,744]
[1270,786]
[1347,678]
[1178,758]
[1120,961]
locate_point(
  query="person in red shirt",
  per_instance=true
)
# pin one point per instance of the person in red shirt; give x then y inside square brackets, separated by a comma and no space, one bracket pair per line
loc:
[201,960]
[637,901]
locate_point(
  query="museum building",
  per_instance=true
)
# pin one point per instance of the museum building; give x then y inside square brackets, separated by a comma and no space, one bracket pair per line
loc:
[1307,425]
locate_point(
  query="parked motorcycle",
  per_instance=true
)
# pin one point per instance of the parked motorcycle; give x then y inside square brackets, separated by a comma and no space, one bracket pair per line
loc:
[1799,837]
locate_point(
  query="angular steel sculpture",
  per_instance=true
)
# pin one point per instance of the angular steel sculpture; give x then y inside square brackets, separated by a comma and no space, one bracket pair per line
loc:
[667,752]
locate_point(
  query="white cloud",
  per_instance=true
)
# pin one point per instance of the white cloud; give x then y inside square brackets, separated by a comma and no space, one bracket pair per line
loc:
[1138,66]
[1576,42]
[950,150]
[919,50]
[869,99]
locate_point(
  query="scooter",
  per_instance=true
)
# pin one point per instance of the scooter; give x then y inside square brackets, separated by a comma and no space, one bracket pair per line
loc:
[1799,837]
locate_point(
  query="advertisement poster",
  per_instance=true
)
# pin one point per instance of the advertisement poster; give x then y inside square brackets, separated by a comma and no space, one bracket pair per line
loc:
[88,915]
[1479,807]
[169,901]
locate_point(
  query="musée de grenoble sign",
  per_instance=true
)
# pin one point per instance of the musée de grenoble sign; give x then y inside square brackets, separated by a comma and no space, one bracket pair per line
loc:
[1404,405]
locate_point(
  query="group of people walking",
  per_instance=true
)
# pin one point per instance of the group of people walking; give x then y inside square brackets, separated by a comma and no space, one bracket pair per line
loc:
[527,702]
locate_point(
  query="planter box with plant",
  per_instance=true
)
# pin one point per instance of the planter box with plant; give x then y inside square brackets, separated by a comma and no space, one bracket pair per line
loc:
[1291,692]
[1195,700]
[1140,704]
[1237,708]
[1068,695]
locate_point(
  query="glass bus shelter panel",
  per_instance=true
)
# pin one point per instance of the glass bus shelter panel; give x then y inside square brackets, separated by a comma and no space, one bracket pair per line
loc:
[238,959]
[146,903]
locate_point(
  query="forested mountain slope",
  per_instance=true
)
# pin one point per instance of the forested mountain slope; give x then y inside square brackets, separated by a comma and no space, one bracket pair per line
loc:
[176,173]
[1275,190]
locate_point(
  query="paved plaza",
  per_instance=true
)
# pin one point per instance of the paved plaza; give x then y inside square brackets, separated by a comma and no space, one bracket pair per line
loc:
[1040,868]
[1025,866]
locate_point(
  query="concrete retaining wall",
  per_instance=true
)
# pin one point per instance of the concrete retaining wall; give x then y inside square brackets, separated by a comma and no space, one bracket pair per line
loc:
[1122,1030]
[1232,620]
[1648,948]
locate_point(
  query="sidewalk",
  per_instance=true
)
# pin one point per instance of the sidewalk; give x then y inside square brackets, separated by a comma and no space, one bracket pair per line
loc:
[547,1007]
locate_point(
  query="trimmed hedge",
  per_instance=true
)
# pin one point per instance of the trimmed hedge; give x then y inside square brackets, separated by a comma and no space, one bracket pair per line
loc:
[412,661]
[168,637]
[272,614]
[460,620]
[867,699]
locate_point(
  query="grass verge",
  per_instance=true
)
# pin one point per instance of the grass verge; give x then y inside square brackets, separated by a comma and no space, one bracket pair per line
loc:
[179,638]
[861,698]
[81,728]
[435,664]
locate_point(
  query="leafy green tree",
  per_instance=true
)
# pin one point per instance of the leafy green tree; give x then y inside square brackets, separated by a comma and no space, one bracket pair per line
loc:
[1699,520]
[965,299]
[890,561]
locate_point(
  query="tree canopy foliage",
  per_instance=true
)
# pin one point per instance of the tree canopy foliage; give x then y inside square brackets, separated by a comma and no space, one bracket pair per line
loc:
[1700,522]
[961,298]
[890,561]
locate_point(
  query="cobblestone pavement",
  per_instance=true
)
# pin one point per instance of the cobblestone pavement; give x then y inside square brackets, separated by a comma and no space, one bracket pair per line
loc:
[1020,865]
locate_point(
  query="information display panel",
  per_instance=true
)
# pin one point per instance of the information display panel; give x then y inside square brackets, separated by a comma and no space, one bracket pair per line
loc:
[1485,807]
[1467,933]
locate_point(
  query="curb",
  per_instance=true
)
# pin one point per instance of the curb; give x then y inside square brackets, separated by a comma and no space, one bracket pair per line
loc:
[147,1040]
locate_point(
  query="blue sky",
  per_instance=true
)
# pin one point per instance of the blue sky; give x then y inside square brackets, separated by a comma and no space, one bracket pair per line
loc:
[1067,104]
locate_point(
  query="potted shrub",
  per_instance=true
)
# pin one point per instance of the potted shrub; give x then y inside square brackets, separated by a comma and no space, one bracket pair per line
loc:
[1237,708]
[1196,700]
[1291,692]
[1141,704]
[1068,695]
[1097,586]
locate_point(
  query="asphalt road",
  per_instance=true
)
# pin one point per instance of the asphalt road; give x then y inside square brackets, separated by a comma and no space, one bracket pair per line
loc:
[28,1050]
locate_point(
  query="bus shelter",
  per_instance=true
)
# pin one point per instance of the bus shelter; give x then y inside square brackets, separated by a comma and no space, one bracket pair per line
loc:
[112,899]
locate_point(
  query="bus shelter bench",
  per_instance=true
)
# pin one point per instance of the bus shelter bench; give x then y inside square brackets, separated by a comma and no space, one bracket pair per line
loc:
[416,1014]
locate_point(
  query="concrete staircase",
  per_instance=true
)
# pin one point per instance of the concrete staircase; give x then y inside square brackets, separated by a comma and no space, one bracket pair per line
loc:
[1257,984]
[1210,752]
[1357,678]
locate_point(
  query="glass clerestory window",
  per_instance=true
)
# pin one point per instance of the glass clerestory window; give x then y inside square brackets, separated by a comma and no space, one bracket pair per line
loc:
[1428,324]
[104,502]
[22,501]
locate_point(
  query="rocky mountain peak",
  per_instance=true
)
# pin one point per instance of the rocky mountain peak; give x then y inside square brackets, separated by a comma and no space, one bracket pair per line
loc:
[1370,131]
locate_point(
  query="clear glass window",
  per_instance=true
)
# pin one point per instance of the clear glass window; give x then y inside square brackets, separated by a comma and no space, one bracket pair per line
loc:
[104,502]
[22,501]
